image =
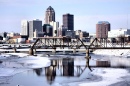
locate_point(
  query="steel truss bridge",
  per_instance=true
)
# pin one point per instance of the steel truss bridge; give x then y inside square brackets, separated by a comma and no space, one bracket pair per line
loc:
[66,42]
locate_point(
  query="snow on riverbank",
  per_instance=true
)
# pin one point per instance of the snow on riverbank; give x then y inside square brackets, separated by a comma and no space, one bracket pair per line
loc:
[25,60]
[18,62]
[108,77]
[114,52]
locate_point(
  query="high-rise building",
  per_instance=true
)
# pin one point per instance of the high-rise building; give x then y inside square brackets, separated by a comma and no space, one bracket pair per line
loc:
[34,25]
[55,26]
[64,29]
[102,28]
[49,15]
[68,21]
[59,33]
[24,27]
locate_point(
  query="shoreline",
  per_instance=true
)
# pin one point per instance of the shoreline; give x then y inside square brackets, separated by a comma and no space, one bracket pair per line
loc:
[112,52]
[104,78]
[125,82]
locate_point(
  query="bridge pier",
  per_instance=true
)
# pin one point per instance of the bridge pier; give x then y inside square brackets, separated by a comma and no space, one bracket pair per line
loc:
[87,53]
[87,59]
[31,51]
[15,50]
[35,51]
[74,51]
[19,46]
[54,51]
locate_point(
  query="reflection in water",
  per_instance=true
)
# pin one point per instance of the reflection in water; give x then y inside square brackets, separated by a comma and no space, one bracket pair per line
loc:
[65,66]
[38,71]
[68,67]
[50,73]
[0,61]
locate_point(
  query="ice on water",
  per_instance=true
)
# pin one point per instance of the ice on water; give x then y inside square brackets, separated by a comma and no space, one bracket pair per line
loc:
[20,62]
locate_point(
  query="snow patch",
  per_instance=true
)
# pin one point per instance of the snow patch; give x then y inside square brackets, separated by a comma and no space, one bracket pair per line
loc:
[109,76]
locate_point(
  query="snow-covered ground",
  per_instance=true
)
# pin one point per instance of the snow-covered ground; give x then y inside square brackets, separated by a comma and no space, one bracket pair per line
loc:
[108,76]
[113,52]
[25,60]
[19,62]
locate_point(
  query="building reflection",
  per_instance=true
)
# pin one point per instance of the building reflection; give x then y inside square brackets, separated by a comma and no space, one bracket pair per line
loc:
[50,73]
[65,66]
[38,71]
[68,67]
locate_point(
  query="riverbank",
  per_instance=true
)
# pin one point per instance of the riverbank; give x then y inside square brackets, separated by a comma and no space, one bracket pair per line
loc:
[112,52]
[105,77]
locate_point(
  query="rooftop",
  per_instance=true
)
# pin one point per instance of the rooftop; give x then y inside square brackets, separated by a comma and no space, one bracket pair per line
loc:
[50,9]
[101,22]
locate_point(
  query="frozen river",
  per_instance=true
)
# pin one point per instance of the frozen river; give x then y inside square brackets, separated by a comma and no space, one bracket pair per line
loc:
[60,70]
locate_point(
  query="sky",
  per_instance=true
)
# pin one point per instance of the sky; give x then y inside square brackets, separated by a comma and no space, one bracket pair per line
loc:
[86,13]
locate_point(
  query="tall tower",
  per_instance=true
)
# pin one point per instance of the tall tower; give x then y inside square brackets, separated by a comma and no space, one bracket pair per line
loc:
[24,27]
[68,21]
[49,15]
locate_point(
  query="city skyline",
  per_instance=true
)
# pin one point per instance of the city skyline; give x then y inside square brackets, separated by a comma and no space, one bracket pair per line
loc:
[87,13]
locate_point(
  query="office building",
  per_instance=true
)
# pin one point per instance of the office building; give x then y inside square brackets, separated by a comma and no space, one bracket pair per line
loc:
[34,25]
[59,33]
[24,27]
[83,34]
[102,28]
[68,21]
[49,15]
[55,26]
[48,30]
[38,34]
[64,29]
[70,33]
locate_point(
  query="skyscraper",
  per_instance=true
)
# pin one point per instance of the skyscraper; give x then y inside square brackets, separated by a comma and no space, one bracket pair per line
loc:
[49,15]
[102,28]
[24,27]
[34,25]
[68,21]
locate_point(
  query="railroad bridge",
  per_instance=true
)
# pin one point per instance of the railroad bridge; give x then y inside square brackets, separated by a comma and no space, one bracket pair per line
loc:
[67,42]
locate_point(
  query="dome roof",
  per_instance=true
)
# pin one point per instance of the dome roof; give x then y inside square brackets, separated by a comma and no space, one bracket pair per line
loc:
[50,8]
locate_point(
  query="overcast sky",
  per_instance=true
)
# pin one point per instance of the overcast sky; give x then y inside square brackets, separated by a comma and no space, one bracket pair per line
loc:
[86,13]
